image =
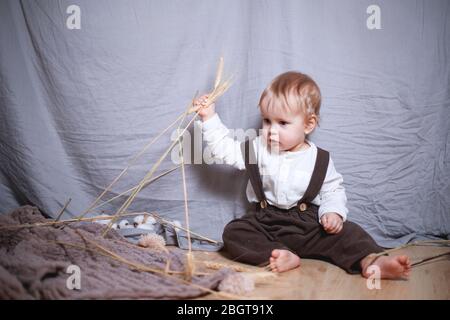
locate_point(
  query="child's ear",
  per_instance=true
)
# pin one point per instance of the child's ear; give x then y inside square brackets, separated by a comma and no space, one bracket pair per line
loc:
[310,124]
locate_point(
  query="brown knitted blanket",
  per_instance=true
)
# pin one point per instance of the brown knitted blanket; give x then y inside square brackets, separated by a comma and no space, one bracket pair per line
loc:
[34,264]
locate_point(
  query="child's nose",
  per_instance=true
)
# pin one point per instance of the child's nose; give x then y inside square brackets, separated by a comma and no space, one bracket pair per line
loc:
[273,130]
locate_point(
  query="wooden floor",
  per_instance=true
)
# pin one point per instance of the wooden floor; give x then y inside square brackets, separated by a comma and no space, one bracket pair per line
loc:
[320,280]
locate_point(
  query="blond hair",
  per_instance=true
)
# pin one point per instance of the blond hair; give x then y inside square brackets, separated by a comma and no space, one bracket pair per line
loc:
[293,91]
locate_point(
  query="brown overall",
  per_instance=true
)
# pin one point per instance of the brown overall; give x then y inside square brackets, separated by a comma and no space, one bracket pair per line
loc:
[252,238]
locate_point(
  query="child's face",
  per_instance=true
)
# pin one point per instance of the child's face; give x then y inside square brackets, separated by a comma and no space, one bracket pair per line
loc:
[283,130]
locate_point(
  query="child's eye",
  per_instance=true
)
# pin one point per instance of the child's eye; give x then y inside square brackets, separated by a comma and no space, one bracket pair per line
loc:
[266,121]
[283,123]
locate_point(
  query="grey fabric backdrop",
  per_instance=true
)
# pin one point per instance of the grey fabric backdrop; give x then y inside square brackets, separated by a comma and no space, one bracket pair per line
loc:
[77,104]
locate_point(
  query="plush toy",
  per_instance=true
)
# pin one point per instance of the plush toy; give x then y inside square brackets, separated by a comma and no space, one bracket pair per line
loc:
[106,221]
[124,224]
[144,222]
[152,241]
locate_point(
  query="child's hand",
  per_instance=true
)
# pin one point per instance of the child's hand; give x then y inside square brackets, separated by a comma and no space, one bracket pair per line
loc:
[205,112]
[332,222]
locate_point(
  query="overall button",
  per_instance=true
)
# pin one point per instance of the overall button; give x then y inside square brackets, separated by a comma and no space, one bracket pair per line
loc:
[263,204]
[302,206]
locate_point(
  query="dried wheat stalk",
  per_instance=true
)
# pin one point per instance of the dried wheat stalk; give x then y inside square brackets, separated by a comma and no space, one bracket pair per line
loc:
[63,209]
[137,156]
[68,221]
[219,74]
[190,266]
[217,92]
[130,199]
[219,88]
[218,265]
[146,183]
[93,219]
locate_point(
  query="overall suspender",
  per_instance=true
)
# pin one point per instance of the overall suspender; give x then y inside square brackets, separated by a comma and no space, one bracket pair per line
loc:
[251,164]
[317,178]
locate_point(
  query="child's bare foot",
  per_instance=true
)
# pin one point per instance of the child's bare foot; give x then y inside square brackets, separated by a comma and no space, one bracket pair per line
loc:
[283,260]
[396,267]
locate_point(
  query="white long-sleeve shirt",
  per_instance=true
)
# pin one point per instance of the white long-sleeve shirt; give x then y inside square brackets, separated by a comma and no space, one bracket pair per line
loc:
[285,175]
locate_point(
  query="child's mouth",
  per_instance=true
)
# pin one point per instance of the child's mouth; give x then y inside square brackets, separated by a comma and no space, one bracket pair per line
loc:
[274,144]
[272,141]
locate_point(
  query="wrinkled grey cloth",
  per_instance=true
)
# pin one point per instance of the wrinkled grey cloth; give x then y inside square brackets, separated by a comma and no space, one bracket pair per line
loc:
[76,105]
[33,265]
